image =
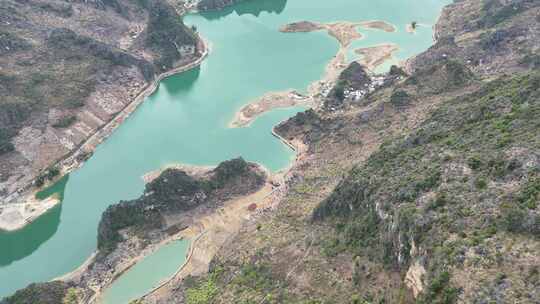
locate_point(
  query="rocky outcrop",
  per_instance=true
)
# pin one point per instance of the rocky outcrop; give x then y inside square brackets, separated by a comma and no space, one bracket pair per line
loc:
[175,191]
[414,278]
[353,78]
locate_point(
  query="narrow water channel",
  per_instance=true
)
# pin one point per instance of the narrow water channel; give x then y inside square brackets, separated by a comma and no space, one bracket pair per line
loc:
[147,274]
[186,120]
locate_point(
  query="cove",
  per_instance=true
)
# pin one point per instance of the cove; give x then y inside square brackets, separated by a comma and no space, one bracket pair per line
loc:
[185,120]
[147,274]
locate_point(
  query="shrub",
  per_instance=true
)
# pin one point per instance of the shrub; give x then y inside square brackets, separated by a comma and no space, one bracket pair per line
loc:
[65,121]
[43,293]
[339,90]
[480,183]
[49,174]
[5,142]
[512,217]
[441,199]
[529,194]
[74,103]
[165,31]
[71,297]
[494,12]
[202,294]
[474,162]
[399,98]
[439,290]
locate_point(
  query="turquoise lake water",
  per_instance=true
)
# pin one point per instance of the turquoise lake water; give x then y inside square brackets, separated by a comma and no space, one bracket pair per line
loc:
[147,274]
[186,120]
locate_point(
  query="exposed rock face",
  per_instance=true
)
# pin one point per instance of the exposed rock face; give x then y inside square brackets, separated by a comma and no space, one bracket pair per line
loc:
[414,278]
[68,68]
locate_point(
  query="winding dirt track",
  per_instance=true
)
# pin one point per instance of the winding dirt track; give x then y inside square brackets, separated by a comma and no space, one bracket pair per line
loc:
[210,232]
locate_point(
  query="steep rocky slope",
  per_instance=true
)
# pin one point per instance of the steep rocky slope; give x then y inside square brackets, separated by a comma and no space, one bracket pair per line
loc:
[423,191]
[67,67]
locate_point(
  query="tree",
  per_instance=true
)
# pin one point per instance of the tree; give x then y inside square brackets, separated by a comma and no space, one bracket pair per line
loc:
[71,297]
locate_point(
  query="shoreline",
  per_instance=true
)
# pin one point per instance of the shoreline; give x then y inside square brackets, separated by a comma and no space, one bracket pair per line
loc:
[300,150]
[345,32]
[214,229]
[192,170]
[207,222]
[283,175]
[16,216]
[376,55]
[70,162]
[226,217]
[249,112]
[96,297]
[188,259]
[114,124]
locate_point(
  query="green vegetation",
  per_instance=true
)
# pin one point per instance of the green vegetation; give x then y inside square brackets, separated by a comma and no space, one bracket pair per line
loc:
[167,32]
[63,10]
[175,191]
[354,77]
[396,71]
[410,190]
[65,121]
[441,77]
[56,189]
[12,115]
[10,43]
[531,60]
[495,12]
[43,293]
[529,195]
[439,290]
[5,143]
[204,291]
[400,98]
[339,89]
[48,174]
[71,297]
